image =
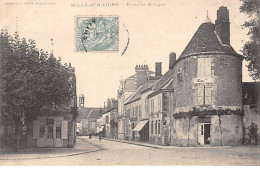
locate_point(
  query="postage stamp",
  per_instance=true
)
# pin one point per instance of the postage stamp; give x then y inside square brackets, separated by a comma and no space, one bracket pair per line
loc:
[96,34]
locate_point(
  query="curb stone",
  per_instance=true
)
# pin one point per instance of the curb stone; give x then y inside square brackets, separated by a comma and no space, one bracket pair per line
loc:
[99,148]
[164,147]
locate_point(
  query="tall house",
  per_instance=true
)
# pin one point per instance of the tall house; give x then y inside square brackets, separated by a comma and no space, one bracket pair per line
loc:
[208,79]
[73,82]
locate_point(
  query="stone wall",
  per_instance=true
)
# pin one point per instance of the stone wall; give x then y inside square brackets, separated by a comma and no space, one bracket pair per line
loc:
[251,116]
[228,70]
[227,132]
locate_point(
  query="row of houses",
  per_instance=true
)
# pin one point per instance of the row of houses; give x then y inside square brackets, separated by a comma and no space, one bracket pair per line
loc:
[200,100]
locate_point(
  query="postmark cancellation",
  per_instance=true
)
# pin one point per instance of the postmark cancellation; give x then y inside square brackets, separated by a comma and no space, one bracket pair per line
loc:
[96,34]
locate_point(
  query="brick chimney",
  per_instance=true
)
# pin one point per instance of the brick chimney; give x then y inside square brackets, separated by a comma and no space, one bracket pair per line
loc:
[141,74]
[222,25]
[158,69]
[172,60]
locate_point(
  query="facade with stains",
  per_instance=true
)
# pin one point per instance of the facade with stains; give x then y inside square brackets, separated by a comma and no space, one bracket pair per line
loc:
[55,127]
[127,88]
[207,90]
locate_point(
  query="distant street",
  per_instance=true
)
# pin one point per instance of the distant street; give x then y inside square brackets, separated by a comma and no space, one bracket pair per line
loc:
[115,153]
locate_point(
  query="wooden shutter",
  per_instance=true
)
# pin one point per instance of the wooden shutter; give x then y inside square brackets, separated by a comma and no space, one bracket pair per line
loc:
[207,66]
[200,95]
[36,129]
[200,71]
[64,130]
[165,102]
[207,95]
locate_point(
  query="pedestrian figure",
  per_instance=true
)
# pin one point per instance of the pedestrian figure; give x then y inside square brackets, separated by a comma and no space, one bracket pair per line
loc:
[90,135]
[100,137]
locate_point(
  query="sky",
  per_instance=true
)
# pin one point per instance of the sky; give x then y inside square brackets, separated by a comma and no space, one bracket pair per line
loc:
[154,32]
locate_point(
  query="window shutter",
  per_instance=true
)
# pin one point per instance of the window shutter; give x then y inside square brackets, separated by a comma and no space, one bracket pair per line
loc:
[200,95]
[36,129]
[64,131]
[164,102]
[207,66]
[200,71]
[207,95]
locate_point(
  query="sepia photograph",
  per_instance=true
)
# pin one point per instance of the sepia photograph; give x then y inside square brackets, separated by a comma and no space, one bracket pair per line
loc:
[129,83]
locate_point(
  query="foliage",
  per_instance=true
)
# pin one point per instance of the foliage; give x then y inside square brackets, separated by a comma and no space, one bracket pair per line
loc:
[252,47]
[204,113]
[31,79]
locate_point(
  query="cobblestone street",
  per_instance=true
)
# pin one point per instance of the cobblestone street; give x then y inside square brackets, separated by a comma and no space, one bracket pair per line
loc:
[107,152]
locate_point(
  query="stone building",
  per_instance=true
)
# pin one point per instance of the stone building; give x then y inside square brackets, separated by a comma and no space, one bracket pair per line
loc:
[109,119]
[55,127]
[87,120]
[127,88]
[207,88]
[137,116]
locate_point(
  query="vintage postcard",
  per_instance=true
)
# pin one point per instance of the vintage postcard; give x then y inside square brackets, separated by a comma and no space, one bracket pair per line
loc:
[129,83]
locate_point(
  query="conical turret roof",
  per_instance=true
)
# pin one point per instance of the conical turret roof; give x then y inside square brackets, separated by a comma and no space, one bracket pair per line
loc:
[205,40]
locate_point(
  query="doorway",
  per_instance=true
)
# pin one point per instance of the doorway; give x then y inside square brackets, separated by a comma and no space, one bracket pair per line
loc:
[204,133]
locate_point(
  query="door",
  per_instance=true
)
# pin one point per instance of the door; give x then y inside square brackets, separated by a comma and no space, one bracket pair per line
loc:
[204,133]
[201,134]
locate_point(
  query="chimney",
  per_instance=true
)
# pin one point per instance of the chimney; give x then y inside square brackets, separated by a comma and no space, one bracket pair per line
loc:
[158,69]
[108,103]
[141,74]
[222,25]
[172,60]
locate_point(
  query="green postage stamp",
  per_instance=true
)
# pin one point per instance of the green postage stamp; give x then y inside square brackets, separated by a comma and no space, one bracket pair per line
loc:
[96,34]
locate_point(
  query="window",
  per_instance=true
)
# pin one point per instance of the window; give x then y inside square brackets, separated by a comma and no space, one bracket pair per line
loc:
[204,67]
[140,111]
[42,129]
[152,106]
[159,127]
[152,127]
[136,111]
[49,123]
[204,96]
[156,127]
[58,129]
[159,104]
[50,131]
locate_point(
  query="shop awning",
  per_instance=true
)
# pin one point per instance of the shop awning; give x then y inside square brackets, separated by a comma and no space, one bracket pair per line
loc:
[140,125]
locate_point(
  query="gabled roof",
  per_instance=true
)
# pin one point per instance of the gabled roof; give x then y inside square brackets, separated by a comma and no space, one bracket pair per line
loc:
[85,112]
[165,78]
[94,114]
[130,84]
[206,40]
[135,96]
[165,82]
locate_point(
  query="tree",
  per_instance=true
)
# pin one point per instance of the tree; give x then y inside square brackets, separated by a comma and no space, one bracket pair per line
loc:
[31,80]
[251,48]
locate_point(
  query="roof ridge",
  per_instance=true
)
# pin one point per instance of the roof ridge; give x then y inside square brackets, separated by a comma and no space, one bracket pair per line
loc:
[90,112]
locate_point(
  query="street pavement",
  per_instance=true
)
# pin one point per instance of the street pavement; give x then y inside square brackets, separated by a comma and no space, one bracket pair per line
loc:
[93,152]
